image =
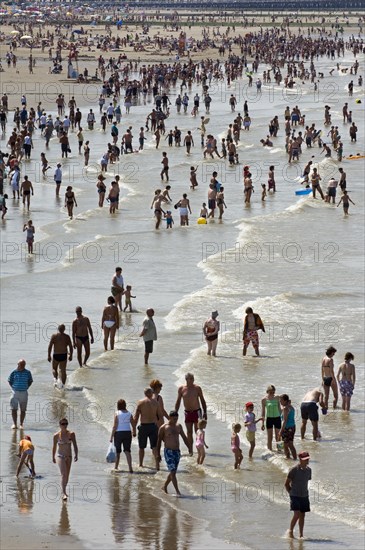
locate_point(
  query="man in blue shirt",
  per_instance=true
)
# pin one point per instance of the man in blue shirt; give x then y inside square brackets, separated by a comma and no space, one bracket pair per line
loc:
[19,380]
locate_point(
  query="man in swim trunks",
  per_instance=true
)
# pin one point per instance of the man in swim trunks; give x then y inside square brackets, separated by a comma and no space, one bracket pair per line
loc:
[328,376]
[169,433]
[60,342]
[296,485]
[346,378]
[81,329]
[147,410]
[309,410]
[25,189]
[251,325]
[194,402]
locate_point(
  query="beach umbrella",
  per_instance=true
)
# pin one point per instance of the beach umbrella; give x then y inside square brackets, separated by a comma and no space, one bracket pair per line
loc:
[25,37]
[40,20]
[15,32]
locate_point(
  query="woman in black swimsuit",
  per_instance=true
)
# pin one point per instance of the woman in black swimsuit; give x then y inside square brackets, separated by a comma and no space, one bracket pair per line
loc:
[70,201]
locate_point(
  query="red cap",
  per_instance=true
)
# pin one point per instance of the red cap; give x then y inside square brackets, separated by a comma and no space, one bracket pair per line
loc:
[27,437]
[249,404]
[304,455]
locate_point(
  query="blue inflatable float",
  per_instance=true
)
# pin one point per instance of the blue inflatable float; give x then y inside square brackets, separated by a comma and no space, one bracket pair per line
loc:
[303,191]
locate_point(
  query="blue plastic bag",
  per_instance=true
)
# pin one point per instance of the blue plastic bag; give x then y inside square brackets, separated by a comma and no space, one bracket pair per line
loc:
[111,454]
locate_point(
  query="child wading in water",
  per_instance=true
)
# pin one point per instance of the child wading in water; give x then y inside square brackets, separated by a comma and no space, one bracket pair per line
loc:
[128,295]
[200,441]
[250,423]
[287,430]
[345,199]
[169,219]
[235,446]
[26,452]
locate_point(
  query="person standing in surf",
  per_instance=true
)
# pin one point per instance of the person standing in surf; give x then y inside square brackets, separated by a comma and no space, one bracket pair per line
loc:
[328,377]
[251,325]
[194,402]
[211,331]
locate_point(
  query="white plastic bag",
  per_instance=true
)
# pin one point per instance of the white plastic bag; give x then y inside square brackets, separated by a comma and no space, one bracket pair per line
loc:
[111,454]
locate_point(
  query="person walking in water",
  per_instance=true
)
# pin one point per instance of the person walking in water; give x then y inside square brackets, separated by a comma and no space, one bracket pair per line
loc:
[81,329]
[123,429]
[63,441]
[251,325]
[170,434]
[296,485]
[60,343]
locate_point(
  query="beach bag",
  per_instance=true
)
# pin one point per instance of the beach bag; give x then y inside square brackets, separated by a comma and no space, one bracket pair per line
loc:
[111,454]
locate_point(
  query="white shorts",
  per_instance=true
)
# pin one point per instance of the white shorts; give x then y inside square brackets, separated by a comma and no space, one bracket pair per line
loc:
[184,211]
[19,399]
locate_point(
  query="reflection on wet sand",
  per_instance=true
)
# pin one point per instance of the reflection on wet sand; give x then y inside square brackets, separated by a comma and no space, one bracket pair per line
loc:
[25,492]
[64,523]
[139,518]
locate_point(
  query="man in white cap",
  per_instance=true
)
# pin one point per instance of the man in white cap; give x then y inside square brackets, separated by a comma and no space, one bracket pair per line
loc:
[211,331]
[296,485]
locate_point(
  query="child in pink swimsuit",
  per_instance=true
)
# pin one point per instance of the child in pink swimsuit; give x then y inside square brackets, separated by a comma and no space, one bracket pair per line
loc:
[200,441]
[235,446]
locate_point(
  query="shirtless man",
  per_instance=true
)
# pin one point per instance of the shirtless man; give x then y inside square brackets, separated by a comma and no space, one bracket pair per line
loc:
[113,197]
[188,142]
[25,190]
[328,377]
[165,164]
[60,342]
[212,195]
[346,378]
[156,205]
[315,179]
[81,329]
[309,410]
[194,401]
[169,433]
[147,409]
[342,180]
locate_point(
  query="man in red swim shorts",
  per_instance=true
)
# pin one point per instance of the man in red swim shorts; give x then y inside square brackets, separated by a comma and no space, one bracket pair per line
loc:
[194,402]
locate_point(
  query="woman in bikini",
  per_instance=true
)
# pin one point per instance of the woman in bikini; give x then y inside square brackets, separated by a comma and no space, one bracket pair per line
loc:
[70,201]
[62,442]
[110,322]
